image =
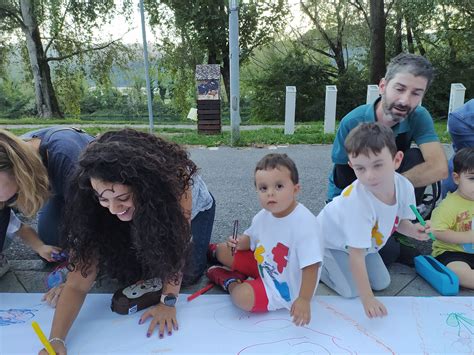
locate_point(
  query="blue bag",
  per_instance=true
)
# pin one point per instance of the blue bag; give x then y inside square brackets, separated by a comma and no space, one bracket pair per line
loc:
[437,275]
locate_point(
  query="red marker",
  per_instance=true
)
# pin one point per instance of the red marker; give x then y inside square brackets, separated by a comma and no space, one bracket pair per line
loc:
[200,292]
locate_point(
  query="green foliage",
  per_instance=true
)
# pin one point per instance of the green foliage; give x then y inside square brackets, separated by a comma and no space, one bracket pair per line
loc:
[16,100]
[109,103]
[267,87]
[202,30]
[351,90]
[65,32]
[70,88]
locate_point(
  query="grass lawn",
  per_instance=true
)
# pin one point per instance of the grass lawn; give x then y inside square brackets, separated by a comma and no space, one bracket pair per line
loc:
[308,133]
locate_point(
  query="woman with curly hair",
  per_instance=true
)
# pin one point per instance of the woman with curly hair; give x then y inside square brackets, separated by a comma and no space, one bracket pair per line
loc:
[34,173]
[139,210]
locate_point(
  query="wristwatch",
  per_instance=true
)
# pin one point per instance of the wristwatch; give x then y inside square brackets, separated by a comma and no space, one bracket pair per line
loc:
[169,299]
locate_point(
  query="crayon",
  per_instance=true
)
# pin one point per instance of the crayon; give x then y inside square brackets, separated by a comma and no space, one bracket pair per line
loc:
[200,292]
[42,338]
[421,220]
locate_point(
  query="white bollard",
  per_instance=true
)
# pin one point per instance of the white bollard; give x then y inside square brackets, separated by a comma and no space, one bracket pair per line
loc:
[193,114]
[330,109]
[290,107]
[456,96]
[456,99]
[372,93]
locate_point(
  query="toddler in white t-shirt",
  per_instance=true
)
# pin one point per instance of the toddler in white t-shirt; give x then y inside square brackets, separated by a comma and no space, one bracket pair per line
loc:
[280,251]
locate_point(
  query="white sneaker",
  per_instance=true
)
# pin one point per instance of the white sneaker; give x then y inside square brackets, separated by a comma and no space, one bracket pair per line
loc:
[4,266]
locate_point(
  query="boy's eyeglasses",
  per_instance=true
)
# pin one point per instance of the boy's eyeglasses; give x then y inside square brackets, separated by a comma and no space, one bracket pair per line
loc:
[11,201]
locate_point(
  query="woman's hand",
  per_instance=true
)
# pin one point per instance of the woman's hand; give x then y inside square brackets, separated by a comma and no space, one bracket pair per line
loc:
[162,316]
[58,347]
[46,251]
[51,297]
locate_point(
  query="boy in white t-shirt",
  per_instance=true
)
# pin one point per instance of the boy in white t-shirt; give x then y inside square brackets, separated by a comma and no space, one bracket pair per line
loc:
[281,250]
[358,223]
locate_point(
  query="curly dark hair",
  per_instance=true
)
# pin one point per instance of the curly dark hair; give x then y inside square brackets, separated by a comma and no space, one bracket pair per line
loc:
[156,243]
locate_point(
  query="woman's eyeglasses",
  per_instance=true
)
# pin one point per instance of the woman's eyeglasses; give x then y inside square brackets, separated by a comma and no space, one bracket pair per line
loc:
[11,201]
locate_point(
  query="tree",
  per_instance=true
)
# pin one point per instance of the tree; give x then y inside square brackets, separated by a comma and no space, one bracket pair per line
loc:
[330,20]
[202,26]
[278,68]
[376,19]
[57,31]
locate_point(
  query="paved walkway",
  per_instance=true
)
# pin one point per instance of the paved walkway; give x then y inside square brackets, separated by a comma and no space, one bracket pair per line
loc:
[157,125]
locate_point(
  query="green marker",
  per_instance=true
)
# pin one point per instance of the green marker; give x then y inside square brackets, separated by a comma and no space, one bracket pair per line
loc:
[421,220]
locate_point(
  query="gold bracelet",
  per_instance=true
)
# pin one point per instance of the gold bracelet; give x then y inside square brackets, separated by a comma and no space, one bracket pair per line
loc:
[59,340]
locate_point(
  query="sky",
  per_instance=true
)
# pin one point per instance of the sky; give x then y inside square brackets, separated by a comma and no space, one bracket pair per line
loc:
[118,28]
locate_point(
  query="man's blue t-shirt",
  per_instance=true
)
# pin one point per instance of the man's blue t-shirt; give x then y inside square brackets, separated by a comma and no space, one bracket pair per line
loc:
[418,127]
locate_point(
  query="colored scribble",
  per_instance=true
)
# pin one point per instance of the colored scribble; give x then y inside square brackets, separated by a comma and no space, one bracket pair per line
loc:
[301,345]
[361,329]
[460,321]
[307,341]
[15,316]
[280,252]
[376,234]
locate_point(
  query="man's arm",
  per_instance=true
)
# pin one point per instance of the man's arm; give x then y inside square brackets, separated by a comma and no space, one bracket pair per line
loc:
[434,168]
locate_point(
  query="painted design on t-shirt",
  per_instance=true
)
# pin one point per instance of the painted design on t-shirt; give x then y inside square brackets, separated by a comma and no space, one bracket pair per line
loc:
[463,222]
[280,252]
[376,234]
[269,266]
[395,225]
[258,253]
[348,190]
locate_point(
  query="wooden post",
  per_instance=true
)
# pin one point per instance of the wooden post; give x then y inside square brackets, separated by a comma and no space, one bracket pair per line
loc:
[208,98]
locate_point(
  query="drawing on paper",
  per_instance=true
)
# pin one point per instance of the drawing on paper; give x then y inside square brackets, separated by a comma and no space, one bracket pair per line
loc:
[15,316]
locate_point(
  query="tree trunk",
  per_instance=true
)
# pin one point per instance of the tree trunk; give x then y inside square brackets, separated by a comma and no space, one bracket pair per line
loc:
[46,102]
[225,71]
[411,46]
[377,42]
[398,35]
[419,44]
[339,58]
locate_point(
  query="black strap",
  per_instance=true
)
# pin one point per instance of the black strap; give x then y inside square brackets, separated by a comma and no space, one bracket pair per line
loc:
[4,222]
[343,175]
